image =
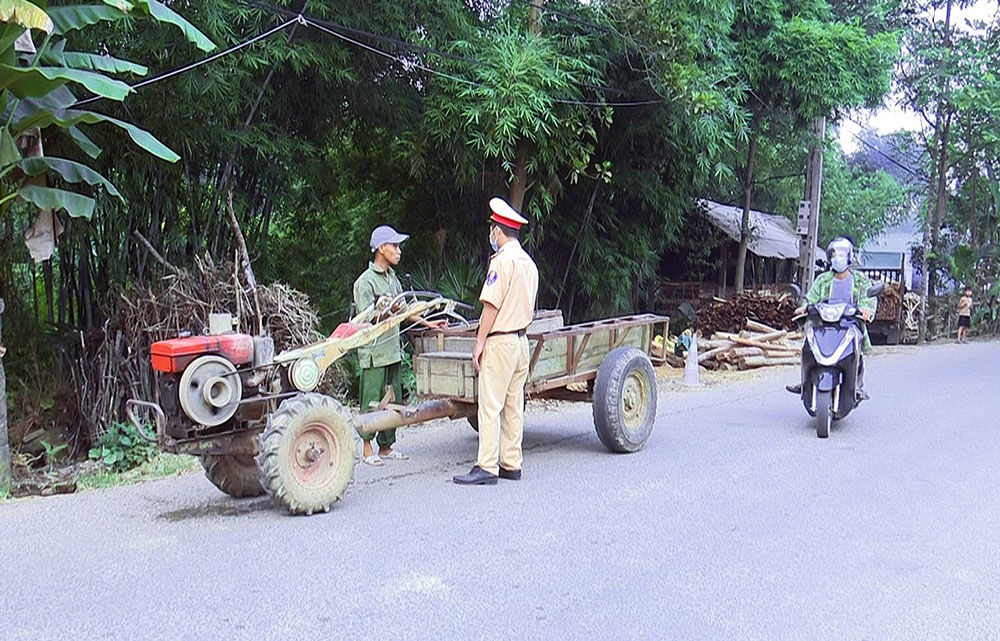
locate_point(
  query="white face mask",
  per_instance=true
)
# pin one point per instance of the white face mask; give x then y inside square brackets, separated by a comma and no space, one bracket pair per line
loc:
[839,263]
[493,242]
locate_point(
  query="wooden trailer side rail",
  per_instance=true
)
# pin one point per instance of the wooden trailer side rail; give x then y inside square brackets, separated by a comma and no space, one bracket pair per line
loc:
[559,357]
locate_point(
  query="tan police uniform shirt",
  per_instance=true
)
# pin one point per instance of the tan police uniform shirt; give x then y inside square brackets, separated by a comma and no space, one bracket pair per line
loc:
[511,286]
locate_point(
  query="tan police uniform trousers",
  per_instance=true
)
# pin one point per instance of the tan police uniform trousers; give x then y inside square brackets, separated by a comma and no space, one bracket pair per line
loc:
[502,375]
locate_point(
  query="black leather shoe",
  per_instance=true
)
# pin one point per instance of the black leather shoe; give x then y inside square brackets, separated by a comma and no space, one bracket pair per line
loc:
[476,476]
[510,475]
[794,389]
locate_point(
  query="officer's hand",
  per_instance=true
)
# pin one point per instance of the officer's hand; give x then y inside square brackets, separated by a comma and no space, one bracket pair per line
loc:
[867,314]
[477,354]
[438,324]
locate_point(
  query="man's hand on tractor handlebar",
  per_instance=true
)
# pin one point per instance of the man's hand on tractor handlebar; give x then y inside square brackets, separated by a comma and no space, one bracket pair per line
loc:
[800,311]
[438,324]
[867,315]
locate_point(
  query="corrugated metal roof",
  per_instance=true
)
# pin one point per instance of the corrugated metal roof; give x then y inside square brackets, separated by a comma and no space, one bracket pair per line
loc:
[771,235]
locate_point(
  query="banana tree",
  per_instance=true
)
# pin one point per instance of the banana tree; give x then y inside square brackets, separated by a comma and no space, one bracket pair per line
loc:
[42,84]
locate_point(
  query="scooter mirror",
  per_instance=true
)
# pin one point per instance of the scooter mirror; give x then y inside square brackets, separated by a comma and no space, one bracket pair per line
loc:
[876,289]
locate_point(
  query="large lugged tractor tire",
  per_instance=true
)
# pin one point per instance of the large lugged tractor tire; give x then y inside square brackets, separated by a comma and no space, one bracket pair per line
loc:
[234,474]
[625,400]
[307,453]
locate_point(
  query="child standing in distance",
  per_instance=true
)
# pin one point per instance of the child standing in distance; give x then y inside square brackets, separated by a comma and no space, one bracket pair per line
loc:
[964,315]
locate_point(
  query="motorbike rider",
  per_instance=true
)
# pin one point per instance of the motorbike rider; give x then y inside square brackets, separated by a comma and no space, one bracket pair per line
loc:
[843,285]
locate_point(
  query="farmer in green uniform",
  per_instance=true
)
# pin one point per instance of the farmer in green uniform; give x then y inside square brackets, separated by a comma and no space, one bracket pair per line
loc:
[380,362]
[843,285]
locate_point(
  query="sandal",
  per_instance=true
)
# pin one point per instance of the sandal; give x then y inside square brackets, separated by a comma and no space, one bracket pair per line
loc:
[374,460]
[393,455]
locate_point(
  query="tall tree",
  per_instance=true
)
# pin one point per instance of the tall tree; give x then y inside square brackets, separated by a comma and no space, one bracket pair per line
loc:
[800,63]
[947,64]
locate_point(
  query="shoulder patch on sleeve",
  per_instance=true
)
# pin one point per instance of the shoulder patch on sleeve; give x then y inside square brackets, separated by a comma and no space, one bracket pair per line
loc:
[491,277]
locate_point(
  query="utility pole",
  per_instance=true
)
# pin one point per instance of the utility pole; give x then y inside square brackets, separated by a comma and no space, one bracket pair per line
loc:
[809,208]
[4,439]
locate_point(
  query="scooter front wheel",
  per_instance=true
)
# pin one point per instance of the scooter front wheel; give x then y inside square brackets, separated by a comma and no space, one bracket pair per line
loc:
[824,413]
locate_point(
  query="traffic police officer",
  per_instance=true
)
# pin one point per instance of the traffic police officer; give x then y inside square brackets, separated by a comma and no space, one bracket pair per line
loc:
[501,352]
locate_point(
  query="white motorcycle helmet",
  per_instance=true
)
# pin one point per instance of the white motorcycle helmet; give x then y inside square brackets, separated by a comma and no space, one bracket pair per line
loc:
[840,253]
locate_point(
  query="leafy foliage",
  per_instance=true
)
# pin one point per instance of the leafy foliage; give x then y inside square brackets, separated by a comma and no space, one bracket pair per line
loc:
[122,448]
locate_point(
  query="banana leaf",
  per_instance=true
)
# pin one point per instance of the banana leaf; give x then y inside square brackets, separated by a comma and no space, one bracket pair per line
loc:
[84,142]
[76,205]
[69,170]
[25,14]
[75,17]
[163,13]
[72,117]
[38,81]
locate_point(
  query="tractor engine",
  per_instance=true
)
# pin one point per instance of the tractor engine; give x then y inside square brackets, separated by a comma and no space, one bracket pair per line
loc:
[203,379]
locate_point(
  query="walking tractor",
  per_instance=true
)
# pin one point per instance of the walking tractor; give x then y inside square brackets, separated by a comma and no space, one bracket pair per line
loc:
[259,425]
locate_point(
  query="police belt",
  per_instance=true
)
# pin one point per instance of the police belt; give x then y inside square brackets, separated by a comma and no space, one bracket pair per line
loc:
[519,332]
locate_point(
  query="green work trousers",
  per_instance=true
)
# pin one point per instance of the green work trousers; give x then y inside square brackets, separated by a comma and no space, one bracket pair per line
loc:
[373,383]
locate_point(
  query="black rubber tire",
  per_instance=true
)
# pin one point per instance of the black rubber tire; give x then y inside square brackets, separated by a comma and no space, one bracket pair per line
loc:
[281,468]
[622,371]
[824,413]
[234,474]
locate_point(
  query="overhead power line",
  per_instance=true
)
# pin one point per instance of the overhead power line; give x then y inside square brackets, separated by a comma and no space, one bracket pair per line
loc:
[881,153]
[212,58]
[367,34]
[312,23]
[336,30]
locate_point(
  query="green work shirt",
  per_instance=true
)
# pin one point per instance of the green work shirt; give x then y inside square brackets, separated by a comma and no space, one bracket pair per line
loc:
[823,286]
[375,282]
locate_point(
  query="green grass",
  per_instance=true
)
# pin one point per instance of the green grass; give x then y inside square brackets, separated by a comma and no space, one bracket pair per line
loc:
[158,467]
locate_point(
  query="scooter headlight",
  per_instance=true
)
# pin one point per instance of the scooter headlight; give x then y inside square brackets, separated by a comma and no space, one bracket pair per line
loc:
[831,313]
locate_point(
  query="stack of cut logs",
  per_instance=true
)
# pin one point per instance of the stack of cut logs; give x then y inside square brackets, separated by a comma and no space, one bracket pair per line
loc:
[731,315]
[758,345]
[889,303]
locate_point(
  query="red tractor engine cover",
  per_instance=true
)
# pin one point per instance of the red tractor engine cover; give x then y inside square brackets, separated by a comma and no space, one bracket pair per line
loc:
[172,356]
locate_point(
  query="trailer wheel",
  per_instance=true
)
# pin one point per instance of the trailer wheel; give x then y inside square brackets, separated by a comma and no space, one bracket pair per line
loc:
[307,453]
[234,474]
[625,400]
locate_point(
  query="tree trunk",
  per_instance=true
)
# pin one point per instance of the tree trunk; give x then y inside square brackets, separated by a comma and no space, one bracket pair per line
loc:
[974,217]
[939,186]
[4,438]
[49,297]
[724,267]
[519,184]
[741,256]
[940,207]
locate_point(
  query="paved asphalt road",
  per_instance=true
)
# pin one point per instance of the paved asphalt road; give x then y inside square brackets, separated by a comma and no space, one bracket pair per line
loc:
[735,522]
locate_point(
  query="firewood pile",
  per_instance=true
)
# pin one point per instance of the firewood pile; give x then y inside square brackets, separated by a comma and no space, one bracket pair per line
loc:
[912,309]
[756,345]
[889,302]
[731,316]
